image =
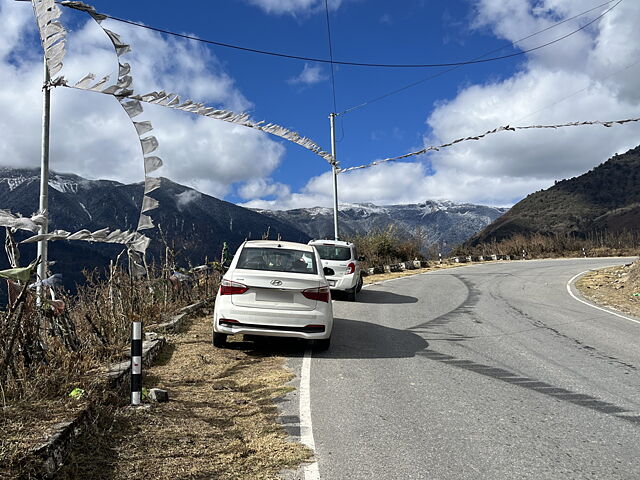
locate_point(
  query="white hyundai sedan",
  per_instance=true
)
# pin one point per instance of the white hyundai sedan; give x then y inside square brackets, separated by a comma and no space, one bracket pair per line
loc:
[274,289]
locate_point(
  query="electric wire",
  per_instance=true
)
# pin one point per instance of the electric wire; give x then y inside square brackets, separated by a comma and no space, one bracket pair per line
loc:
[352,63]
[455,67]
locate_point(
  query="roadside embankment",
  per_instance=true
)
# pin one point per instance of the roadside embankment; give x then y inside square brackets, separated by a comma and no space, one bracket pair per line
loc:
[613,287]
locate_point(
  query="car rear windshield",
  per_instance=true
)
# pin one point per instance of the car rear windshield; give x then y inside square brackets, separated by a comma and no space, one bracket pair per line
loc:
[278,260]
[333,252]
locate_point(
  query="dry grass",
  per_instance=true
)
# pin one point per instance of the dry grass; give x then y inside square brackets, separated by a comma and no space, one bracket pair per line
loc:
[44,355]
[220,421]
[558,245]
[614,287]
[28,425]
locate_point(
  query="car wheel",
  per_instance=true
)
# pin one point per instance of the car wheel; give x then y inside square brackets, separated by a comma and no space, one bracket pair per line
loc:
[219,340]
[351,294]
[359,285]
[322,345]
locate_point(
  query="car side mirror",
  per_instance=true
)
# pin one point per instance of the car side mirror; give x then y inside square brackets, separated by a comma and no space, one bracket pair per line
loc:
[328,271]
[361,259]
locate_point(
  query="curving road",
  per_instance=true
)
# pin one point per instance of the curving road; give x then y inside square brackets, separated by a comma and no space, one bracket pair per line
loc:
[482,372]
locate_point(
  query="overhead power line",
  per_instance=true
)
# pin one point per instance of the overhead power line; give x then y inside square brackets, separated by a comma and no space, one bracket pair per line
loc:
[352,63]
[513,44]
[609,123]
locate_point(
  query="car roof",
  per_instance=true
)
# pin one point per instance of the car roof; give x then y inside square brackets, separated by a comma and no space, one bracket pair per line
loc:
[277,244]
[339,243]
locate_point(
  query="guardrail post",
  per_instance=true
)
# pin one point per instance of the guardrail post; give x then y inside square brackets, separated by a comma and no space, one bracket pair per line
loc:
[136,363]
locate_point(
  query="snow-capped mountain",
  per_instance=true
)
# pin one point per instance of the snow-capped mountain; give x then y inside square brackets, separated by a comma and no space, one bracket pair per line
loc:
[437,222]
[194,225]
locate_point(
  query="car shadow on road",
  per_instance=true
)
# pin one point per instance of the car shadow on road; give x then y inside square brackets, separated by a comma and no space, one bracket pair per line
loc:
[350,339]
[380,297]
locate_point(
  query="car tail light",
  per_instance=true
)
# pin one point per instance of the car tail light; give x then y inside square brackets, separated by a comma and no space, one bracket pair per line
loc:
[351,268]
[320,294]
[228,321]
[227,287]
[313,328]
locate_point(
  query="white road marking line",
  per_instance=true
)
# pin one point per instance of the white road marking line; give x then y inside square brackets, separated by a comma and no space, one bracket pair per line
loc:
[310,470]
[570,282]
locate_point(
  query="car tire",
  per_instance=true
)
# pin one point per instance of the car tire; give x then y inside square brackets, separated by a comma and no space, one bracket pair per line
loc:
[322,345]
[351,294]
[359,285]
[219,340]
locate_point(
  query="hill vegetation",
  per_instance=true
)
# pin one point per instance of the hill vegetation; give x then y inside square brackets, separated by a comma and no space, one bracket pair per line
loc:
[599,209]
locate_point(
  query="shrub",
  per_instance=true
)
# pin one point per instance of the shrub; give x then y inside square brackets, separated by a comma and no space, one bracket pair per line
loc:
[385,247]
[539,245]
[45,351]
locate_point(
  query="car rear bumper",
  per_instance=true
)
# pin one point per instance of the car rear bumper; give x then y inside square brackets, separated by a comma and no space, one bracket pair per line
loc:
[345,282]
[316,324]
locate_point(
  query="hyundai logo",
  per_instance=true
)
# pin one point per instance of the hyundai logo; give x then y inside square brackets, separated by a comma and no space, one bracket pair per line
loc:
[276,283]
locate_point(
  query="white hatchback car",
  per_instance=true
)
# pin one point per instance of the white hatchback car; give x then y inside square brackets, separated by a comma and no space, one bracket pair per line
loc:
[342,258]
[274,289]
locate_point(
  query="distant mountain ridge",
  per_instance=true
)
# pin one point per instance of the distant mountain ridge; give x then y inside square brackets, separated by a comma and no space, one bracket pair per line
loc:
[438,222]
[193,223]
[607,198]
[196,225]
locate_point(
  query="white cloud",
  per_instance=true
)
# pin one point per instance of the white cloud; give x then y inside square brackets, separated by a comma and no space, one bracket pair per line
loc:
[294,7]
[593,75]
[400,183]
[185,198]
[310,75]
[263,187]
[93,137]
[543,91]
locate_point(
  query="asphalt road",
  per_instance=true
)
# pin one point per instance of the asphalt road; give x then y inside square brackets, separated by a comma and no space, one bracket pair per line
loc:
[482,372]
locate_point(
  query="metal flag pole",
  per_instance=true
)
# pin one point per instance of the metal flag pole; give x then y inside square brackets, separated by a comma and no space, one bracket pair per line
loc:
[44,177]
[332,121]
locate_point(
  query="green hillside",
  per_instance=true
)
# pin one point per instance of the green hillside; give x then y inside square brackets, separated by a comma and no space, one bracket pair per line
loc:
[606,198]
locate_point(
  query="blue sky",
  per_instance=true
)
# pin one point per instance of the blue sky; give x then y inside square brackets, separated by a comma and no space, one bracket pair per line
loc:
[592,75]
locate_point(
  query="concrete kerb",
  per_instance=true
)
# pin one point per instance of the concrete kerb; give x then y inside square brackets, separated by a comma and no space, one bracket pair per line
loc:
[51,454]
[178,320]
[416,264]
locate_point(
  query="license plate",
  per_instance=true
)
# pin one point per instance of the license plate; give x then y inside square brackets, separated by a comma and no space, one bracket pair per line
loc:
[274,296]
[332,283]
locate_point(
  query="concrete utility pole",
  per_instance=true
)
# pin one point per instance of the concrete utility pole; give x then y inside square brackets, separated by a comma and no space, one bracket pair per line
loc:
[332,121]
[44,176]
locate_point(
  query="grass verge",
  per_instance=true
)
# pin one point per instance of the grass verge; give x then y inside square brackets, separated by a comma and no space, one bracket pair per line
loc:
[220,421]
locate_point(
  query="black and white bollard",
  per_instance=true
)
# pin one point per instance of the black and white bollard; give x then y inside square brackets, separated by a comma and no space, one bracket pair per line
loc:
[136,363]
